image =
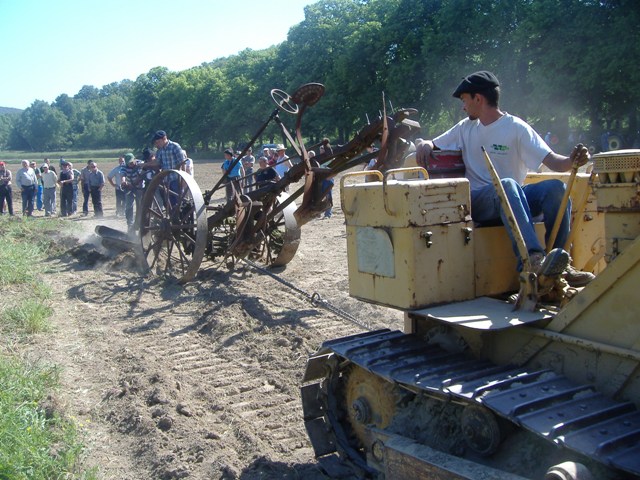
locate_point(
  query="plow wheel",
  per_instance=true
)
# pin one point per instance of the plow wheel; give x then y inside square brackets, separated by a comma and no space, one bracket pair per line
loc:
[173,226]
[282,236]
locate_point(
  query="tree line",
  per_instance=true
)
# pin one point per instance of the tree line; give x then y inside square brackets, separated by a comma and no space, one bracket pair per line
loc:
[567,66]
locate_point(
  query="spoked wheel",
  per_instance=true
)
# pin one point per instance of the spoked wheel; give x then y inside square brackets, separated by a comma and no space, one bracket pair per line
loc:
[282,236]
[221,236]
[173,226]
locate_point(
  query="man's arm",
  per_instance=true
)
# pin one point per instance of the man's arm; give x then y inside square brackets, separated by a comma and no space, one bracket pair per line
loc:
[560,163]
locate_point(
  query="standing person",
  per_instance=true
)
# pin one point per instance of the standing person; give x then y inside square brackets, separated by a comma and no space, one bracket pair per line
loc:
[248,161]
[76,179]
[84,183]
[52,168]
[133,185]
[283,164]
[49,180]
[6,194]
[96,184]
[233,174]
[37,195]
[327,183]
[514,148]
[169,156]
[188,164]
[27,180]
[326,146]
[66,182]
[115,179]
[149,165]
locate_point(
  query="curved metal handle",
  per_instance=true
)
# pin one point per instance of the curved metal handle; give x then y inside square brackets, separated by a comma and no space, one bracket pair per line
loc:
[361,173]
[394,171]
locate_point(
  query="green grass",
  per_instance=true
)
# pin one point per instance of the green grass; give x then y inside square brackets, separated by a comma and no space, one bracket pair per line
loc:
[36,441]
[13,157]
[24,243]
[30,317]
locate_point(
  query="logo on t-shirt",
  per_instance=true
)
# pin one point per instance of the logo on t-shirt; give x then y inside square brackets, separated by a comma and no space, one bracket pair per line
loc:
[499,148]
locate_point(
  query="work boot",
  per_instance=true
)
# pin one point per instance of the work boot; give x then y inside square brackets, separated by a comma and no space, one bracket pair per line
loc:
[577,278]
[552,265]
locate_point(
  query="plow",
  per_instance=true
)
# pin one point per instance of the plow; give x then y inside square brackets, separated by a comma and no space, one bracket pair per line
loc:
[179,225]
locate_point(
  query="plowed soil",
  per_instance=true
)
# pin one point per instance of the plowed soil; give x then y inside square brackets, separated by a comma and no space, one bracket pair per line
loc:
[199,380]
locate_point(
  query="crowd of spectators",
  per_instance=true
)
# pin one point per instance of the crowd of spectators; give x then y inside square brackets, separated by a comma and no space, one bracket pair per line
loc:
[56,193]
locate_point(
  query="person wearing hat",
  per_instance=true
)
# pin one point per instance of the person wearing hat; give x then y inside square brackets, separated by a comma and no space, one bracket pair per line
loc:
[86,192]
[282,163]
[133,185]
[114,177]
[169,156]
[234,173]
[6,195]
[514,148]
[66,180]
[96,184]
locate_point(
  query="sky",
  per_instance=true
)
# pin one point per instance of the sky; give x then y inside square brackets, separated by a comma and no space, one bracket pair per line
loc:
[53,47]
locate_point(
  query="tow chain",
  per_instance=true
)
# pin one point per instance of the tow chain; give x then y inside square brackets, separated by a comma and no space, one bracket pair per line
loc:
[314,298]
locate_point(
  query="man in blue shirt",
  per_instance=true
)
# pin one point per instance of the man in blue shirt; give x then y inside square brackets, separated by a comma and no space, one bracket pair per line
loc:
[96,184]
[133,186]
[234,173]
[169,156]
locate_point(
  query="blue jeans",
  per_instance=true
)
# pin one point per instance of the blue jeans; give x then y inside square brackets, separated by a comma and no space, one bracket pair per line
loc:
[27,199]
[526,202]
[39,202]
[132,197]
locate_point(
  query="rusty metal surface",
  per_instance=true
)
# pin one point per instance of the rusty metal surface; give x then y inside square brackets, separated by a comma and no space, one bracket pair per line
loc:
[264,223]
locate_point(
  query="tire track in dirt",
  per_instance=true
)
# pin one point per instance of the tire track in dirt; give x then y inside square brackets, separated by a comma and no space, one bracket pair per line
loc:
[202,380]
[238,358]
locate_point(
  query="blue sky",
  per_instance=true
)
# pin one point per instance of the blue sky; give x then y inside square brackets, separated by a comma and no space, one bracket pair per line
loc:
[51,47]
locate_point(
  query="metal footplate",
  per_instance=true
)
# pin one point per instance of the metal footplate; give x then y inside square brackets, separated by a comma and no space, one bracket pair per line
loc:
[543,402]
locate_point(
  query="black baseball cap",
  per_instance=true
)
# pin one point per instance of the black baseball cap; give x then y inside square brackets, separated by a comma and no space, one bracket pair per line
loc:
[158,135]
[477,82]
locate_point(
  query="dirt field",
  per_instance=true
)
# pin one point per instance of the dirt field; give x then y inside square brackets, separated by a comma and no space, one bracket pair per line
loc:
[198,381]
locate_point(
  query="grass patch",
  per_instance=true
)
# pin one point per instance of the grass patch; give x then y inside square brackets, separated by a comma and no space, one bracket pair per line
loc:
[15,157]
[36,441]
[28,318]
[25,242]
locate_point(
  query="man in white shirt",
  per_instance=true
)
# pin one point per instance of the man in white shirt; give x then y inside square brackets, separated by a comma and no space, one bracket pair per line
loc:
[514,148]
[27,181]
[49,181]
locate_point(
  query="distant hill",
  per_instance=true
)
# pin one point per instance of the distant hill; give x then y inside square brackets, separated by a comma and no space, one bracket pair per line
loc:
[9,111]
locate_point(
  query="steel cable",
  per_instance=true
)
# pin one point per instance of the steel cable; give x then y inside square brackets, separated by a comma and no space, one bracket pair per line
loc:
[314,298]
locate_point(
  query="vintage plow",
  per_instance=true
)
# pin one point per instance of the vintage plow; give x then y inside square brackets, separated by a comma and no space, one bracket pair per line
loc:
[179,225]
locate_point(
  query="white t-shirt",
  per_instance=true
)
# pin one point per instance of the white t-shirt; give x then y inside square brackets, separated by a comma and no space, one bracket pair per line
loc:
[283,167]
[188,166]
[513,147]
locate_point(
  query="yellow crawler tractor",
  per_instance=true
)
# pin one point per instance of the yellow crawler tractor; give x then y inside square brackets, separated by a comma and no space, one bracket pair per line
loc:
[477,387]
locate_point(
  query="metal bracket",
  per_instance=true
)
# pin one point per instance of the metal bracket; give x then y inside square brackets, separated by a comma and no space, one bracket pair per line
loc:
[427,237]
[467,234]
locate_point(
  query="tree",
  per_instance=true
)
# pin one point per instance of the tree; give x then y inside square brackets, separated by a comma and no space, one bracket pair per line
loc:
[42,127]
